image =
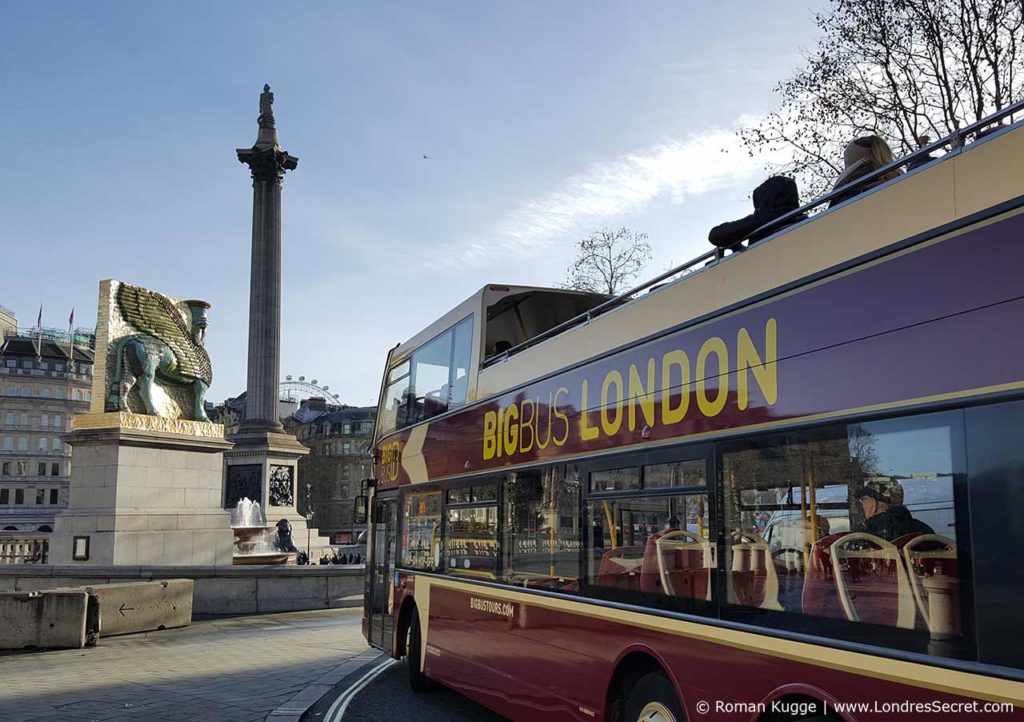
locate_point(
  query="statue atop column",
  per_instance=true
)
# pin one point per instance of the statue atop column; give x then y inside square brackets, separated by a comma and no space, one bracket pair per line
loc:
[266,119]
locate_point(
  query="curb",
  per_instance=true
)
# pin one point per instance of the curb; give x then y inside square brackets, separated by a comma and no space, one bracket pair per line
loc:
[294,708]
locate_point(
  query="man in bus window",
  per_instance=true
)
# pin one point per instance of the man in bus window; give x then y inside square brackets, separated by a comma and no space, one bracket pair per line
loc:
[884,513]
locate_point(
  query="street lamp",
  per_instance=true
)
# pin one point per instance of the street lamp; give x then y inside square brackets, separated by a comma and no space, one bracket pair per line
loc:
[309,521]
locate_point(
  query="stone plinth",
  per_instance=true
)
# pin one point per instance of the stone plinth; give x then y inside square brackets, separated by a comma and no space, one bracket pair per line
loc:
[263,466]
[144,491]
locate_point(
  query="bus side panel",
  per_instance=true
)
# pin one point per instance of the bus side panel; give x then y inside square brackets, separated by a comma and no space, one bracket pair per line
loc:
[540,662]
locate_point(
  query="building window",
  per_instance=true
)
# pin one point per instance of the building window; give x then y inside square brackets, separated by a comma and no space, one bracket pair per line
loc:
[26,363]
[21,469]
[58,422]
[42,443]
[23,420]
[12,390]
[12,363]
[22,444]
[5,497]
[57,445]
[26,391]
[44,420]
[9,419]
[55,468]
[8,444]
[58,367]
[41,468]
[45,528]
[19,496]
[59,394]
[40,496]
[54,496]
[44,365]
[78,394]
[88,395]
[5,468]
[346,428]
[46,392]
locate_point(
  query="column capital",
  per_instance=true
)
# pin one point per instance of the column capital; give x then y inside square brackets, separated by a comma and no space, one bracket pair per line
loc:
[267,163]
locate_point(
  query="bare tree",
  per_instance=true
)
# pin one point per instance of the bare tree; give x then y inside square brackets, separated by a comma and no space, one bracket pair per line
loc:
[901,69]
[608,260]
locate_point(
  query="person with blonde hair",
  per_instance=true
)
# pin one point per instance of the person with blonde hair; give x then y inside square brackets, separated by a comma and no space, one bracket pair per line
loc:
[862,156]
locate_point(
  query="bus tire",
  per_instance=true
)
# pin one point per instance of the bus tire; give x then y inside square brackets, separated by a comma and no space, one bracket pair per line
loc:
[652,699]
[418,681]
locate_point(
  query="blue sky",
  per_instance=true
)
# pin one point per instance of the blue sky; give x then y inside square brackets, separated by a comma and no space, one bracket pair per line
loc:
[543,121]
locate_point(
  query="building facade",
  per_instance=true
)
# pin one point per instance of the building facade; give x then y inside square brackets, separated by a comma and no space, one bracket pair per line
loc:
[339,439]
[41,387]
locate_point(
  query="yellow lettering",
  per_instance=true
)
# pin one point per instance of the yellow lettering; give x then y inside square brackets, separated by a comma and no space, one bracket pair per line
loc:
[610,427]
[511,430]
[765,372]
[586,432]
[490,426]
[716,346]
[562,415]
[500,431]
[525,425]
[678,358]
[641,396]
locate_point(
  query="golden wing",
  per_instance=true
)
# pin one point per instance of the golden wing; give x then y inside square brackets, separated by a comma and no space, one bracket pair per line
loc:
[153,313]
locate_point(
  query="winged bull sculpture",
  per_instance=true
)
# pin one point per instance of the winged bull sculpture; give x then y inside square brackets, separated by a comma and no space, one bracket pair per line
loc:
[168,349]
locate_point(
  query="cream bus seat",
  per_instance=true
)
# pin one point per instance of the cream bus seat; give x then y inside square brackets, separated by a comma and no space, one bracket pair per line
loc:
[934,581]
[872,583]
[677,563]
[753,581]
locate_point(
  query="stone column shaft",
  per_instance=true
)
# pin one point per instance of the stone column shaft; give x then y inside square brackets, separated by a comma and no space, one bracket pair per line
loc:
[265,303]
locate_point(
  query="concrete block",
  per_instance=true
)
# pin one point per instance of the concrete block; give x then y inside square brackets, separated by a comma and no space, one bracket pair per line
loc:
[161,478]
[126,549]
[131,607]
[105,522]
[177,549]
[47,620]
[85,523]
[161,522]
[345,591]
[184,478]
[150,546]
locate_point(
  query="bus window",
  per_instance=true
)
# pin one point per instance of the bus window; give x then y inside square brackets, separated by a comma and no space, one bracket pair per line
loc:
[421,530]
[471,534]
[853,522]
[540,529]
[393,403]
[660,545]
[462,356]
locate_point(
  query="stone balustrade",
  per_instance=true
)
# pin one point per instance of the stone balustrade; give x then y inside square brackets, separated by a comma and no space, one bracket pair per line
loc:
[24,548]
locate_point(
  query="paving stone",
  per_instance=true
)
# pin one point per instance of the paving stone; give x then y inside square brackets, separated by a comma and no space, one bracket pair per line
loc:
[226,669]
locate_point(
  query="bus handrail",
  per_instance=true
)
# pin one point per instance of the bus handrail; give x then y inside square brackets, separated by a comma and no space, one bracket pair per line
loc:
[956,139]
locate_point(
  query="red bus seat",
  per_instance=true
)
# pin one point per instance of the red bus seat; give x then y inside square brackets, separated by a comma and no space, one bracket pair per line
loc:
[934,580]
[819,596]
[753,581]
[620,568]
[871,581]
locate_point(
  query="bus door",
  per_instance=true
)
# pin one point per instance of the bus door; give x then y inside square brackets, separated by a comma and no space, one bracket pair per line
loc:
[382,571]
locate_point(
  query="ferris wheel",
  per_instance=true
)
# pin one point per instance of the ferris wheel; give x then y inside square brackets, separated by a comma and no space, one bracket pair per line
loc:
[298,389]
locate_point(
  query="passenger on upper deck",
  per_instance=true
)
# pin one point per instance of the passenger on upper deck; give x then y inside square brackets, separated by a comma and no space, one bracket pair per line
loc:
[862,156]
[884,513]
[772,199]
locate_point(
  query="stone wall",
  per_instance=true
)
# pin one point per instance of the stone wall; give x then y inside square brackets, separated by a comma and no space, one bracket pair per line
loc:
[217,590]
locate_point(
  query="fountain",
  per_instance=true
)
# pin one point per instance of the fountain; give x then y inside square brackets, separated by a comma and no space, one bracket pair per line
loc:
[255,540]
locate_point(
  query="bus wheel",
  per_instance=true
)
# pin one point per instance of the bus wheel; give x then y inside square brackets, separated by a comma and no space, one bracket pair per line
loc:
[418,681]
[652,699]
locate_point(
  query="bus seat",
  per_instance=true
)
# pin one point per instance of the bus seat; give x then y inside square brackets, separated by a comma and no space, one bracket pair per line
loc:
[871,581]
[677,563]
[753,581]
[934,580]
[620,568]
[819,596]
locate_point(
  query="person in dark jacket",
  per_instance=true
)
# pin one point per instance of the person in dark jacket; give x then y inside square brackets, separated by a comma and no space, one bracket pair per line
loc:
[884,513]
[773,198]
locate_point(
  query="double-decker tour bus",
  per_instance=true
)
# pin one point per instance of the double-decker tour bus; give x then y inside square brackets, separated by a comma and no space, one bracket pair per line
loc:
[787,484]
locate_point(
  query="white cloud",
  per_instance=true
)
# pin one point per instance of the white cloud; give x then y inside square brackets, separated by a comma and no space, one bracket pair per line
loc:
[608,190]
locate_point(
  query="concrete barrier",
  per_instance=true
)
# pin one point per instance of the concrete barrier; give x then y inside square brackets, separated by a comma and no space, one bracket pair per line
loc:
[228,590]
[48,620]
[130,607]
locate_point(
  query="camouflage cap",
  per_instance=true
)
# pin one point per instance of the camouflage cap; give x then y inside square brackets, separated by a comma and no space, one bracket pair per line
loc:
[887,491]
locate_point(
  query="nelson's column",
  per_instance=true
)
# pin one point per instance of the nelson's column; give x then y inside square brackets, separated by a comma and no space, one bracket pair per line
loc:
[263,463]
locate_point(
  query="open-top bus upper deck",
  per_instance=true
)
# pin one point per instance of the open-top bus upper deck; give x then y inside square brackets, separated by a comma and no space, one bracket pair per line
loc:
[505,337]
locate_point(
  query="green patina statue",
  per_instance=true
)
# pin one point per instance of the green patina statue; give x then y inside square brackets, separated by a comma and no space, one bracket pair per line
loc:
[165,353]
